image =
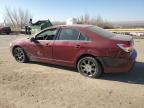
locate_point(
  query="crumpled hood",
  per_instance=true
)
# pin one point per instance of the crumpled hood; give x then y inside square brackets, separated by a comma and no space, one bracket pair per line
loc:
[22,39]
[18,41]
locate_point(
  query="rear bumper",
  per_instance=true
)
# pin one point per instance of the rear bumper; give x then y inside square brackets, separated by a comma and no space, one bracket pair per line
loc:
[113,65]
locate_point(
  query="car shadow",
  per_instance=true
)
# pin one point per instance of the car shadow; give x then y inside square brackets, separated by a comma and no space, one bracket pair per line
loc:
[54,66]
[136,76]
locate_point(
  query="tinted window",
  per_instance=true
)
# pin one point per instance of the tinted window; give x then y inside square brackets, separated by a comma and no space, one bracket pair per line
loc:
[47,35]
[100,31]
[69,34]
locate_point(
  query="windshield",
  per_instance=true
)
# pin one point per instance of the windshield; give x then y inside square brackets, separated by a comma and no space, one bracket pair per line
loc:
[100,31]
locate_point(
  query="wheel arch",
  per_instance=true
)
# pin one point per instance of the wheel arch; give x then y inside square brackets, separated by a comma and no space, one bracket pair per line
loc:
[90,55]
[16,47]
[27,57]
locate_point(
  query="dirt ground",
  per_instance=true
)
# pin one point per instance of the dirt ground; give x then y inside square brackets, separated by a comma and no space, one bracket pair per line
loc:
[36,85]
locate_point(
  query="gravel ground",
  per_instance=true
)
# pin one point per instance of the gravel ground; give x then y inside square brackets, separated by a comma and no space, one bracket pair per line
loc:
[36,85]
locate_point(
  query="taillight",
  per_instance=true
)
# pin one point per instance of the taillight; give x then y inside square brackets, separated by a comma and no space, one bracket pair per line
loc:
[126,47]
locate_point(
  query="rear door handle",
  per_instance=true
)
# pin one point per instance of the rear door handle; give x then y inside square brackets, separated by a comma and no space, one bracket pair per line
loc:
[77,46]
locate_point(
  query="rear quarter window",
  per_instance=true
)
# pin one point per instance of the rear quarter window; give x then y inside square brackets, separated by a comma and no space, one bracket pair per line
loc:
[101,32]
[83,37]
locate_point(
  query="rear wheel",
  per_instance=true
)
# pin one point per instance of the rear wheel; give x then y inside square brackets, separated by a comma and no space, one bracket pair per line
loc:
[88,66]
[20,55]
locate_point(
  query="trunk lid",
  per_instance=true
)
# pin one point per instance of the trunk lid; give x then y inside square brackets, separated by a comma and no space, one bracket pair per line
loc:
[124,42]
[122,37]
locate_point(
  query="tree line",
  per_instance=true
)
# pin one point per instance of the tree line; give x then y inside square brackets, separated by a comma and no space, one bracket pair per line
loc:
[18,18]
[98,21]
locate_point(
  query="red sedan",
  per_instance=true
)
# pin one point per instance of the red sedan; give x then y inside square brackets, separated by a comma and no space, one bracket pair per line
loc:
[90,49]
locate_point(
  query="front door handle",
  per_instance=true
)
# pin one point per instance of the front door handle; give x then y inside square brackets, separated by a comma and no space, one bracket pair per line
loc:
[48,45]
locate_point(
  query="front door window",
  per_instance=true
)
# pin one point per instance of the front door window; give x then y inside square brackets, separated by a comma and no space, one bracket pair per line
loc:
[47,35]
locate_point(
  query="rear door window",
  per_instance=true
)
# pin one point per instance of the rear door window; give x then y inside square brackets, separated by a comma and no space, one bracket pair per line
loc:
[68,34]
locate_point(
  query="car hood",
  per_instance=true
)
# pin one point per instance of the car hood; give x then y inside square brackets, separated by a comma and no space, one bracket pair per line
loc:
[18,41]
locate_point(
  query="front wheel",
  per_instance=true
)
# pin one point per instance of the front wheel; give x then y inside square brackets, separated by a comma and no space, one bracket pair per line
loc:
[88,66]
[20,55]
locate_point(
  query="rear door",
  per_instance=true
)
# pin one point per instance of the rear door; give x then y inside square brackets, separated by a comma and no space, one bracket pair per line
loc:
[67,46]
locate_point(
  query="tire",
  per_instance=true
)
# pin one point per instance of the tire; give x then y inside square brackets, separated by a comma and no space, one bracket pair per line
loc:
[7,33]
[20,55]
[88,66]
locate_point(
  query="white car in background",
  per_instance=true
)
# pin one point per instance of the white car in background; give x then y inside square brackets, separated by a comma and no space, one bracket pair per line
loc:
[137,34]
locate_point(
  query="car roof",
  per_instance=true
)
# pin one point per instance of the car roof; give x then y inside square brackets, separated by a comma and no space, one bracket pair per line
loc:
[74,25]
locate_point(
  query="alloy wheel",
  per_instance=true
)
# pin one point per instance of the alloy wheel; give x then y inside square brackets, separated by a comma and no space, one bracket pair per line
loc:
[88,66]
[19,55]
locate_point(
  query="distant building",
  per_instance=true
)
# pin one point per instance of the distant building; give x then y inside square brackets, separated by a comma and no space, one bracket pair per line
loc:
[40,25]
[71,21]
[1,24]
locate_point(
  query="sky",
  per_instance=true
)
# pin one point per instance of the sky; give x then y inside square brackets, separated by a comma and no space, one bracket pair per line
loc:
[60,10]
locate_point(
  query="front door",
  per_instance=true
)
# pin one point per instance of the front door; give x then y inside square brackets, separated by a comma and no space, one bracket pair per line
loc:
[41,48]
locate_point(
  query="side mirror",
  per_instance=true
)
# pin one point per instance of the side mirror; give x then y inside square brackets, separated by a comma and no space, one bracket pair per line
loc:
[34,40]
